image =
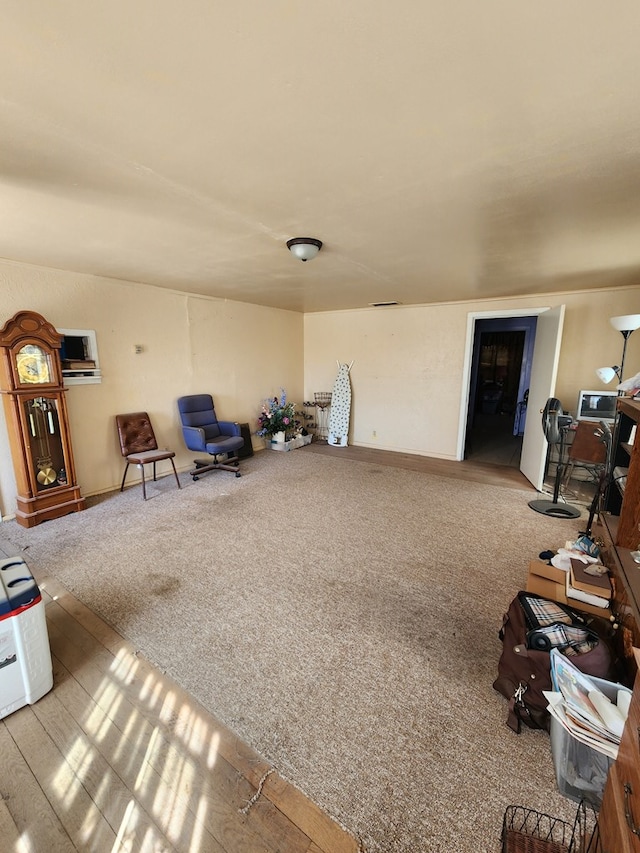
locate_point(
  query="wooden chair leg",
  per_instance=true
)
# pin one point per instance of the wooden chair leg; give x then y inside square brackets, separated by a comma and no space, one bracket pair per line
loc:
[144,485]
[124,476]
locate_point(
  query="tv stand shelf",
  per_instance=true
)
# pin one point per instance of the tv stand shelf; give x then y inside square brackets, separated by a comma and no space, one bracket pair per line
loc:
[623,493]
[618,532]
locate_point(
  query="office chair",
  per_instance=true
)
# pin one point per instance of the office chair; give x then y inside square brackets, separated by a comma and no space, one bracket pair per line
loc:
[139,447]
[204,432]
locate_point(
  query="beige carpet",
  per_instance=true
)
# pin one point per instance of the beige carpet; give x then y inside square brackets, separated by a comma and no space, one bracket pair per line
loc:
[342,618]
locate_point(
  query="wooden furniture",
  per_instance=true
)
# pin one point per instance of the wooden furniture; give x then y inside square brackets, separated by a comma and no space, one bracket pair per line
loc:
[34,402]
[623,493]
[625,582]
[619,818]
[619,815]
[619,532]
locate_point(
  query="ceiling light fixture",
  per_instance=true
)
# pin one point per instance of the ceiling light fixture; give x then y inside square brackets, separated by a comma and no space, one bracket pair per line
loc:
[305,248]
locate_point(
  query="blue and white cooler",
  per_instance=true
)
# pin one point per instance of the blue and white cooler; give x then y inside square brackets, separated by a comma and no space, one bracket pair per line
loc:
[26,672]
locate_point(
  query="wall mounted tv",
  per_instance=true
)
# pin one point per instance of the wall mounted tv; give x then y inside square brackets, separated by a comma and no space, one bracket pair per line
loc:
[597,406]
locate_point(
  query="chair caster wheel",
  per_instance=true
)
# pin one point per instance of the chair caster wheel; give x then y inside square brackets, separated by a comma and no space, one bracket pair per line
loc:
[238,474]
[195,479]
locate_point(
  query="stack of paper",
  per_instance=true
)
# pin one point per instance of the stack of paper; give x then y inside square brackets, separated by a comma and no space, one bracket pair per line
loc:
[580,705]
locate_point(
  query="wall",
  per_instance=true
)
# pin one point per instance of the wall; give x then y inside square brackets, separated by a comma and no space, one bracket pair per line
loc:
[406,376]
[239,353]
[408,362]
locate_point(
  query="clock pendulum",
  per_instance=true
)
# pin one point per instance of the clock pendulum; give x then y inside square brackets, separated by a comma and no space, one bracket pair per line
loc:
[42,426]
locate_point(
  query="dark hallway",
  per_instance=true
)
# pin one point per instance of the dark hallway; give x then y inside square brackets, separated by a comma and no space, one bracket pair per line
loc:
[492,442]
[497,398]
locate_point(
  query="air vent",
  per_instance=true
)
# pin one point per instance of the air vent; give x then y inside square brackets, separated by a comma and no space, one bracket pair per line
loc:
[382,304]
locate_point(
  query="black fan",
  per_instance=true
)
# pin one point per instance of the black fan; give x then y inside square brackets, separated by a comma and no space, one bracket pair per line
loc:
[555,425]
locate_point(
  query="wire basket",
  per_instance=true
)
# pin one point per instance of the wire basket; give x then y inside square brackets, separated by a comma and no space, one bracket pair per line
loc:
[322,399]
[528,831]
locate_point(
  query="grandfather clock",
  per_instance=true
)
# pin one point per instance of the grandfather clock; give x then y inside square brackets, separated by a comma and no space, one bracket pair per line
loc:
[33,396]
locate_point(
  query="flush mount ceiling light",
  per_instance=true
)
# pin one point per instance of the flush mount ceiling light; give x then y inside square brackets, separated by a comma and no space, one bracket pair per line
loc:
[305,248]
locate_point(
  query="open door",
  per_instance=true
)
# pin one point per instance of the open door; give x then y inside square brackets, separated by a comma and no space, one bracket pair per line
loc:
[544,371]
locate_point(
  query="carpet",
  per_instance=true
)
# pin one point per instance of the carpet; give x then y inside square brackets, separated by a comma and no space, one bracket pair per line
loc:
[342,618]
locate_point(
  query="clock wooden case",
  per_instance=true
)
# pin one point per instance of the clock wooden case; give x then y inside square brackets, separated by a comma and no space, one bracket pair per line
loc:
[34,402]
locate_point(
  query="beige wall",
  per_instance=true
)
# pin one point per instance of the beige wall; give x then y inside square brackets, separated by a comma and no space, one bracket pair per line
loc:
[239,353]
[407,374]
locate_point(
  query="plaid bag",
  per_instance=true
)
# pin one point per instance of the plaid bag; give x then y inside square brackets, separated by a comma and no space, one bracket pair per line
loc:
[555,626]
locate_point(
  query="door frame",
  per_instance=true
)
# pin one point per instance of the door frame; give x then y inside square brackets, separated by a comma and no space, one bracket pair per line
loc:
[526,324]
[472,316]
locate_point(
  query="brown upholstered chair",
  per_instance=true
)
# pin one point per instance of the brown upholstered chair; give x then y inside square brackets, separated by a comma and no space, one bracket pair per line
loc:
[587,451]
[139,447]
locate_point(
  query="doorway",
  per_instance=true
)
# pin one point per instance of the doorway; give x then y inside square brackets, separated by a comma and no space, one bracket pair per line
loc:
[499,390]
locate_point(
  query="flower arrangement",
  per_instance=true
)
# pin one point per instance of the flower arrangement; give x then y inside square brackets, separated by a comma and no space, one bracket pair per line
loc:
[277,415]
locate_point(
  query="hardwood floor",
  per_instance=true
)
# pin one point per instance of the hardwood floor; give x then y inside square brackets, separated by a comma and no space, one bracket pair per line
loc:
[497,475]
[116,757]
[575,490]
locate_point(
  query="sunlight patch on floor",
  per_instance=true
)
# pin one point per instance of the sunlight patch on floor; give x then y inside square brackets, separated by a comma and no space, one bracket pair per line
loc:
[152,746]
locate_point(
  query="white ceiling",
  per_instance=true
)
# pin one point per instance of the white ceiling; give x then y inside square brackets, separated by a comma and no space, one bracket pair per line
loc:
[442,151]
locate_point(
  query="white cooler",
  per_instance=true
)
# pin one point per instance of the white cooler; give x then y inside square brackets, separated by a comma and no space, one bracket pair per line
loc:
[26,673]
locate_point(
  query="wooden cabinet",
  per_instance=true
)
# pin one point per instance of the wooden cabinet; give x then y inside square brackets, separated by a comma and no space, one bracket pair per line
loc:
[625,582]
[619,817]
[623,492]
[614,833]
[619,532]
[34,402]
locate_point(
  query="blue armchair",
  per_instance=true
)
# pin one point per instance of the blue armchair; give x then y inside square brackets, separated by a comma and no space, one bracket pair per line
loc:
[202,431]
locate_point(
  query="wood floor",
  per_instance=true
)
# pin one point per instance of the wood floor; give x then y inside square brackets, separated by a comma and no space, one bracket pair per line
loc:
[497,475]
[118,758]
[577,490]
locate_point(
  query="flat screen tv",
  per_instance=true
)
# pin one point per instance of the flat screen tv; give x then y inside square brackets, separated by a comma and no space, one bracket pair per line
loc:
[597,406]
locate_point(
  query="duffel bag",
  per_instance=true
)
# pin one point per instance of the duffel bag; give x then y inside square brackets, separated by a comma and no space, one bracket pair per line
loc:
[531,627]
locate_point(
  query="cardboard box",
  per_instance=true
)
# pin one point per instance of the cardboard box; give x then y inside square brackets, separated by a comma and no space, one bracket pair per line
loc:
[545,570]
[557,590]
[546,588]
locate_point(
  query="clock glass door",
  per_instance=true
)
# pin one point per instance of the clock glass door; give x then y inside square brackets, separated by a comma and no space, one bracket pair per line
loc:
[45,442]
[34,365]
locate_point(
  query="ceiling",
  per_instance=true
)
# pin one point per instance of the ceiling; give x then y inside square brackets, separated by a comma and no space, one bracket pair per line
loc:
[441,151]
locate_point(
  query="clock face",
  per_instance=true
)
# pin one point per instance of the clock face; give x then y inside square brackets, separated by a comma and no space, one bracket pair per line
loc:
[32,364]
